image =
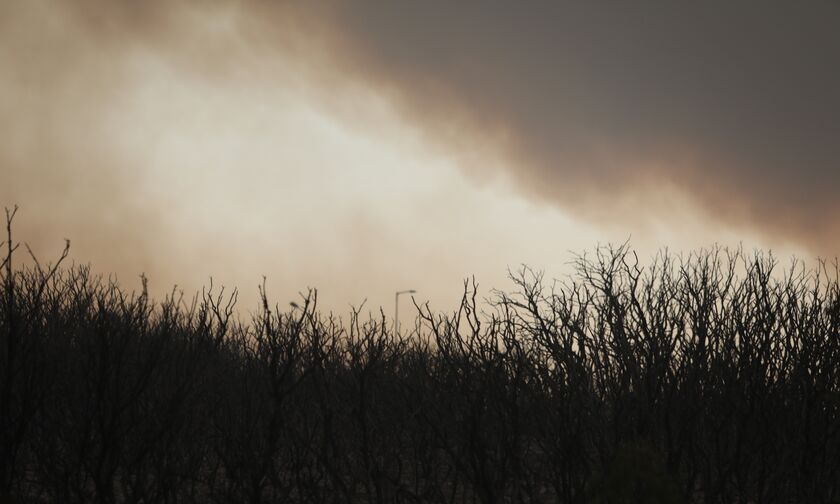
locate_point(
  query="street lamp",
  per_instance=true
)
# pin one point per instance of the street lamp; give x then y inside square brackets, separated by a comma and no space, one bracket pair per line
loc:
[397,308]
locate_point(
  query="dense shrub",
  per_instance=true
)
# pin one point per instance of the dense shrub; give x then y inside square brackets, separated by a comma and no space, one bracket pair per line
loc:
[708,378]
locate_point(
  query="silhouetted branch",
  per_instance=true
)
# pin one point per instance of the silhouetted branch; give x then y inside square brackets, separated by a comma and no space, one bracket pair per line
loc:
[709,377]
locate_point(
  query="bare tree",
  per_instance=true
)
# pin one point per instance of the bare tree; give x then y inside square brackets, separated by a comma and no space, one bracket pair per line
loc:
[710,378]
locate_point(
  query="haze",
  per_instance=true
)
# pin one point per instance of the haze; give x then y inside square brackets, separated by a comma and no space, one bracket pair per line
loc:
[363,148]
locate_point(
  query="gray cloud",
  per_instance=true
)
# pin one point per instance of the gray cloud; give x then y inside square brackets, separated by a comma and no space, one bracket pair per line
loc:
[64,69]
[734,103]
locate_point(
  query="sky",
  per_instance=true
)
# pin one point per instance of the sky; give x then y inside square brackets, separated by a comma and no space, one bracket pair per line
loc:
[364,147]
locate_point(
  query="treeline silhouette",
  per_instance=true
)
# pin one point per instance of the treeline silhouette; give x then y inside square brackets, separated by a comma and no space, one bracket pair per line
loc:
[708,378]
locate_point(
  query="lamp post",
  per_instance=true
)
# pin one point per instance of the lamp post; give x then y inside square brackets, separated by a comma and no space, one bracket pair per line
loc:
[397,308]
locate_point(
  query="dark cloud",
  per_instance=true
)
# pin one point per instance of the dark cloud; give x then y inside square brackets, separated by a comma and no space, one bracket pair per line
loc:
[734,103]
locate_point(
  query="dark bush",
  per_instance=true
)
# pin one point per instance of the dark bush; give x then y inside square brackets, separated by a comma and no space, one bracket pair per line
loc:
[708,378]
